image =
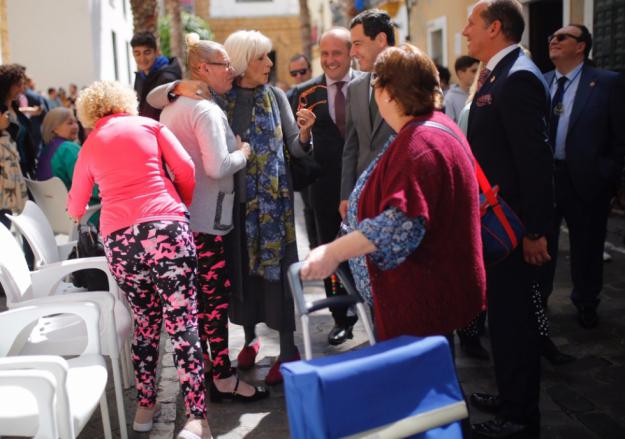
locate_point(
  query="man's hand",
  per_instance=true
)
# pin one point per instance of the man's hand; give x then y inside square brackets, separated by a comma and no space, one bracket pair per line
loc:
[192,89]
[535,251]
[343,209]
[320,263]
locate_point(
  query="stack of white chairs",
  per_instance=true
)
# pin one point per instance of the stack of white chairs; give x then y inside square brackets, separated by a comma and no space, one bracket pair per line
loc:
[51,196]
[46,396]
[64,334]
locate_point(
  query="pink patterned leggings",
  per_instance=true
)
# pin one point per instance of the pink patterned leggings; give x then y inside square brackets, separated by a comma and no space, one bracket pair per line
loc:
[155,263]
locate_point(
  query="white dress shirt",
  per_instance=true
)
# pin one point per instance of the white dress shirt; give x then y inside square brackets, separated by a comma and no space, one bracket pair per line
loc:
[332,91]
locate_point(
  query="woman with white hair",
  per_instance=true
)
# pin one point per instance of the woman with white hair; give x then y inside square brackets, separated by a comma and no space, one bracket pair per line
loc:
[262,245]
[202,128]
[149,247]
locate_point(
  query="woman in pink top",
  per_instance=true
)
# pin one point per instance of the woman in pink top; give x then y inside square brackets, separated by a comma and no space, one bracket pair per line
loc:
[148,244]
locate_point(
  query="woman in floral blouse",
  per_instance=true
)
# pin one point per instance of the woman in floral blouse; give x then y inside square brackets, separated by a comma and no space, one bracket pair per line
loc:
[415,247]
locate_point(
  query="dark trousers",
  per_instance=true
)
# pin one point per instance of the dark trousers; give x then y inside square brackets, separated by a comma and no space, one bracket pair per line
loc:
[309,218]
[328,222]
[587,224]
[514,337]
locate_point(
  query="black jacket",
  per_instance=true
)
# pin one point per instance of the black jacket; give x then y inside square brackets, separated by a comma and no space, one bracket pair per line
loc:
[170,72]
[508,134]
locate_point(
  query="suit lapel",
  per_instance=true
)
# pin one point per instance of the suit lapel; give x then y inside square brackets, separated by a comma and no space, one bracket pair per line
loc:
[584,90]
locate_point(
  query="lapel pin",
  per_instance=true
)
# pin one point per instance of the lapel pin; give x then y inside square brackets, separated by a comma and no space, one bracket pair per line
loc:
[492,79]
[592,83]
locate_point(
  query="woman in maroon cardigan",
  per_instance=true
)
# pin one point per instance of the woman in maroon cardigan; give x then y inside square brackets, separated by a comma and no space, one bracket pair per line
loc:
[415,248]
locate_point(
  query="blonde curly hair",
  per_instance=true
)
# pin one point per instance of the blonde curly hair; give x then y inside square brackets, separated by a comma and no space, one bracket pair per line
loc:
[103,98]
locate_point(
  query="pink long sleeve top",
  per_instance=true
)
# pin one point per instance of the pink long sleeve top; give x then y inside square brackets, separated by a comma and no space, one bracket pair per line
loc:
[124,155]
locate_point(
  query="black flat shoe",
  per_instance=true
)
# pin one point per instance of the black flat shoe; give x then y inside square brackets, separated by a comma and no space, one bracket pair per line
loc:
[339,334]
[499,428]
[587,317]
[485,402]
[551,353]
[217,396]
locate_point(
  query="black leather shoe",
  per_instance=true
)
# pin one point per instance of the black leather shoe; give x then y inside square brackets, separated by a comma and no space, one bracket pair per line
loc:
[551,352]
[587,317]
[499,428]
[486,402]
[218,396]
[339,334]
[472,347]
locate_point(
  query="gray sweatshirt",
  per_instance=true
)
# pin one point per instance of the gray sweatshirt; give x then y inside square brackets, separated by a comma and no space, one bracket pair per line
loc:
[202,128]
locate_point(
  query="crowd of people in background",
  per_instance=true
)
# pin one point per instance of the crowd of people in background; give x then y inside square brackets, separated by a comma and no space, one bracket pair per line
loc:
[195,179]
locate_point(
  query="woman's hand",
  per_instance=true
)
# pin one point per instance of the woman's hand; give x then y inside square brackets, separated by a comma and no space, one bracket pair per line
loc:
[192,89]
[244,147]
[320,263]
[305,121]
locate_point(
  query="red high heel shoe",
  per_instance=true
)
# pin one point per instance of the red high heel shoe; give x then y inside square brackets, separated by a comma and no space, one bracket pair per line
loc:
[247,357]
[275,376]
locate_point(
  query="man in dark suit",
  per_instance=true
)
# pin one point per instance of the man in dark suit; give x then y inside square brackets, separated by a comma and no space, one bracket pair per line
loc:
[508,134]
[325,96]
[371,32]
[587,131]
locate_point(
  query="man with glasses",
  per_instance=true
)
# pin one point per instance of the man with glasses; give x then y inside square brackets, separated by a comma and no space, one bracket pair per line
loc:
[587,133]
[325,96]
[154,69]
[299,68]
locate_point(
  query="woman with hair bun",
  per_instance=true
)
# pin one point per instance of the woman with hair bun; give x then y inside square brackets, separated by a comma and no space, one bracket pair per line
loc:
[202,128]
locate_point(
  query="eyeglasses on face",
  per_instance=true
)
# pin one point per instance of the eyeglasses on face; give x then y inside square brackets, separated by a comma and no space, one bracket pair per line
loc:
[226,64]
[561,37]
[303,98]
[297,72]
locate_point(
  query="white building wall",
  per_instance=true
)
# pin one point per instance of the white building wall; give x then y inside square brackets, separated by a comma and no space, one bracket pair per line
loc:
[252,8]
[67,41]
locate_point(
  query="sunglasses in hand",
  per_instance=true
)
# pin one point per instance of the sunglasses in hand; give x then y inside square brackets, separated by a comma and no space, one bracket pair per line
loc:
[303,98]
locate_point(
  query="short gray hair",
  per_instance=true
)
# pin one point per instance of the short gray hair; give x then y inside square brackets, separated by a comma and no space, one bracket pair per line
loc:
[243,46]
[52,121]
[199,51]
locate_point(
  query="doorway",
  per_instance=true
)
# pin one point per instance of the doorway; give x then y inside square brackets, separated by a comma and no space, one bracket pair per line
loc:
[545,17]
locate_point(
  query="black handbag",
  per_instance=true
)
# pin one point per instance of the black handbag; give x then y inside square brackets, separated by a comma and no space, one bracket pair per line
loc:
[89,245]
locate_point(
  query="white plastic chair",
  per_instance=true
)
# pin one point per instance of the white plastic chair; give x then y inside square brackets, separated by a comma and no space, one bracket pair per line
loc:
[33,225]
[51,196]
[63,334]
[47,396]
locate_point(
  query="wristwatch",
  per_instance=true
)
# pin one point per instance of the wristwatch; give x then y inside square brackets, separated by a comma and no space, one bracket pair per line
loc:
[533,236]
[171,96]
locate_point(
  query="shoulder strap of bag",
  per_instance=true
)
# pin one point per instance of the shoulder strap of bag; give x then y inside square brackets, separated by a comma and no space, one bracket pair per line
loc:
[483,182]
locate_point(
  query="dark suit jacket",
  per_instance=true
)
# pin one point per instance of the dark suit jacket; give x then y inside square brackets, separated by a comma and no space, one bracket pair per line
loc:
[508,135]
[362,141]
[595,140]
[327,146]
[143,86]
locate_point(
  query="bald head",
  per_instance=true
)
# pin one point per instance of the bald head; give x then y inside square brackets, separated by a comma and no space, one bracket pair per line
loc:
[334,47]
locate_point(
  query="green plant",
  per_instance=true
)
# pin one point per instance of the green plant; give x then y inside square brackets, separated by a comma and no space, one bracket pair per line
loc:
[190,23]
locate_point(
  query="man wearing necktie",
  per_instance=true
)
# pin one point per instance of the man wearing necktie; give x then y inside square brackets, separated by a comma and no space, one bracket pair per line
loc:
[507,131]
[587,132]
[327,99]
[372,31]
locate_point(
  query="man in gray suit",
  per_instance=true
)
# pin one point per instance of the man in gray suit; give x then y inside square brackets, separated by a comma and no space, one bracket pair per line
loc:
[372,32]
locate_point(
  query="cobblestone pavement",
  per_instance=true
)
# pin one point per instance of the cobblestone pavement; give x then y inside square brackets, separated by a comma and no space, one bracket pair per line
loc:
[581,400]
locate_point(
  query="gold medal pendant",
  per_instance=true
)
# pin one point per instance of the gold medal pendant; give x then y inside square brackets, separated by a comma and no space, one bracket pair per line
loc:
[558,109]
